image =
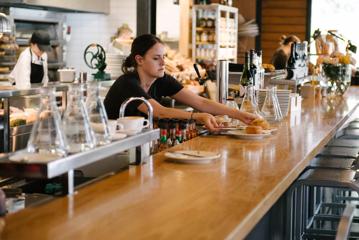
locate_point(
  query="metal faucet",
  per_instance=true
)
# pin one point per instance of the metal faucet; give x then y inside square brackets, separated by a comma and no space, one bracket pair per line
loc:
[148,104]
[142,153]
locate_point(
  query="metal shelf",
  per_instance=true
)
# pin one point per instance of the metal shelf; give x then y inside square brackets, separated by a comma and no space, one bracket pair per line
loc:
[67,164]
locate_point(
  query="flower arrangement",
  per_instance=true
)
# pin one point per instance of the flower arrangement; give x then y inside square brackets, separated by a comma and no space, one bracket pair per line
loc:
[335,65]
[338,77]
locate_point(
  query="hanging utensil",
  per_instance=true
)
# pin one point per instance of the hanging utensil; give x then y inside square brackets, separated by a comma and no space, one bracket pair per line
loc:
[200,80]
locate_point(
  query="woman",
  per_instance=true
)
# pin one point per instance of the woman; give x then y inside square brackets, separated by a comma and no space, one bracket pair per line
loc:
[31,67]
[144,76]
[281,55]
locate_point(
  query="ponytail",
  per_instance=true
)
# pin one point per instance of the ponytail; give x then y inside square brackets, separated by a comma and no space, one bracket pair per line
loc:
[128,65]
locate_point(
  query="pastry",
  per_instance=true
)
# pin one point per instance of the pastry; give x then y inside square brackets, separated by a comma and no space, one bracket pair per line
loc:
[260,122]
[254,129]
[4,69]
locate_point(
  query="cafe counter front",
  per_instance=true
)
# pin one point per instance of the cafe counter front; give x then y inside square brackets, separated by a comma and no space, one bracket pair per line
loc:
[165,200]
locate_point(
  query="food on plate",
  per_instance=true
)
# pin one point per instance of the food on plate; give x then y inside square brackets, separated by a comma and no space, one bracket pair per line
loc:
[260,122]
[254,129]
[4,69]
[223,120]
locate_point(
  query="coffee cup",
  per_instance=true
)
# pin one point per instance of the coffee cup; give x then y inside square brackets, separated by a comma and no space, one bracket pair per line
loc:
[131,124]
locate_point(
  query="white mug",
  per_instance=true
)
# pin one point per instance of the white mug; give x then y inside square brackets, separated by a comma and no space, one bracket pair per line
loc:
[132,124]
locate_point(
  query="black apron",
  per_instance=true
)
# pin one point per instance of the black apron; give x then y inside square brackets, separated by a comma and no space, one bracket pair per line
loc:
[37,72]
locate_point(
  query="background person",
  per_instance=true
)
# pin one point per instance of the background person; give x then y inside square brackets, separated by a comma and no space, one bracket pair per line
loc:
[31,67]
[282,54]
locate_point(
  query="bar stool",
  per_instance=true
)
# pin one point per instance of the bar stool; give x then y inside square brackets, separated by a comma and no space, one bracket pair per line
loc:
[350,134]
[301,218]
[349,143]
[340,152]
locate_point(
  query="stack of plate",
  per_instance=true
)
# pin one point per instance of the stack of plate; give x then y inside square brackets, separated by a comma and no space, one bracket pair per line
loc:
[114,63]
[283,99]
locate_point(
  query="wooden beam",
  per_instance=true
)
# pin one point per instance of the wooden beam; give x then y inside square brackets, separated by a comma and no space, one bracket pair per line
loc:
[185,28]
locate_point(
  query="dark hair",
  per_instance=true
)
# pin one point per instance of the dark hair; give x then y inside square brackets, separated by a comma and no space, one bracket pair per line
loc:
[284,40]
[139,46]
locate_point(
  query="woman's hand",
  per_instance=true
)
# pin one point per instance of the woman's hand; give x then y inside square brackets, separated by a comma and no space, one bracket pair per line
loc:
[208,120]
[246,117]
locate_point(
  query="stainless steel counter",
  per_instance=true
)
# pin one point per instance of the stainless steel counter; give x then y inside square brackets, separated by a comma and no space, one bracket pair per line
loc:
[61,166]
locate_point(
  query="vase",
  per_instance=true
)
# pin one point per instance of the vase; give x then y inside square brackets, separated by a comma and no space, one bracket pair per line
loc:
[338,78]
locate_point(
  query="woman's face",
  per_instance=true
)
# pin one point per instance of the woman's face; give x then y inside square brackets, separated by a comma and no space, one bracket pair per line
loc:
[152,63]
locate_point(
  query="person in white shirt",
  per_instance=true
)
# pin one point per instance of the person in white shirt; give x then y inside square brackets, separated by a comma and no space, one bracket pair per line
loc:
[31,67]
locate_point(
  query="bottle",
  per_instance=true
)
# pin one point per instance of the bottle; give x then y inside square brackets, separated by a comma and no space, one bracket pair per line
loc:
[261,70]
[253,66]
[183,126]
[163,135]
[247,77]
[291,59]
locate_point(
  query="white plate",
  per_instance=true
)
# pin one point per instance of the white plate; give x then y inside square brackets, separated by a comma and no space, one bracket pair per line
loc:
[27,157]
[193,157]
[243,135]
[233,128]
[118,136]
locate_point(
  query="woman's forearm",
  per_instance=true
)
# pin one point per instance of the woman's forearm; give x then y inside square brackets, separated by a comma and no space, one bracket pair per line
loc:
[160,111]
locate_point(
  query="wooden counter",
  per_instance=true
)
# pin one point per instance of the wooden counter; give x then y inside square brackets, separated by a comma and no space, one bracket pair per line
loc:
[162,200]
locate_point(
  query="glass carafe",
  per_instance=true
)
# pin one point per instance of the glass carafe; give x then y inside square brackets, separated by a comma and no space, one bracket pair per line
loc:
[231,103]
[47,136]
[97,114]
[270,109]
[249,102]
[76,124]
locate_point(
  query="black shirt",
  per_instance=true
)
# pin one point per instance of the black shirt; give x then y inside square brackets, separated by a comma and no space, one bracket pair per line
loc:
[128,85]
[279,59]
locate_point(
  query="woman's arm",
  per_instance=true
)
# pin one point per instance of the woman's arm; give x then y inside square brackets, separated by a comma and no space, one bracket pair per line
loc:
[205,105]
[160,111]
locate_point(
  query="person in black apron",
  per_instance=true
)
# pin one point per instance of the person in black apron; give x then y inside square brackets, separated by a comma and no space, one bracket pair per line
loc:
[37,71]
[31,66]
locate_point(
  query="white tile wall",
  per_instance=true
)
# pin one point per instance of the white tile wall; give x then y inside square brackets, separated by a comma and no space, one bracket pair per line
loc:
[90,28]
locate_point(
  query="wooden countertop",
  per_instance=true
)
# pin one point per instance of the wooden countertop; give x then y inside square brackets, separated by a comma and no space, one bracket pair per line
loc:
[163,200]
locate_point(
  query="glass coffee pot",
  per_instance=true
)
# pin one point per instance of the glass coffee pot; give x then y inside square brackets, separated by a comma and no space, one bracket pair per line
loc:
[271,110]
[47,135]
[97,114]
[249,102]
[76,123]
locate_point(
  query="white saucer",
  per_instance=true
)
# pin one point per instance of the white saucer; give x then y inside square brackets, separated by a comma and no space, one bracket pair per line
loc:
[193,157]
[118,136]
[27,157]
[243,135]
[129,132]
